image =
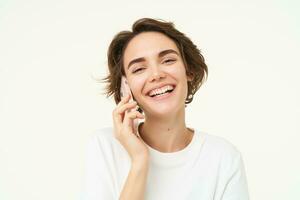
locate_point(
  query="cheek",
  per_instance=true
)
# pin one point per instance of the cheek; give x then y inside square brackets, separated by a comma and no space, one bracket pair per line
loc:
[137,85]
[178,71]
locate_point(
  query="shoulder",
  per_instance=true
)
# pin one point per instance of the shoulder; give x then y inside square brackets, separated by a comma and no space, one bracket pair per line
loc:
[229,165]
[219,147]
[219,143]
[104,134]
[102,139]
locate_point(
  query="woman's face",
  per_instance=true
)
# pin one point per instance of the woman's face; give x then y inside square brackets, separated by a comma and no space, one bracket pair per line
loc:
[152,60]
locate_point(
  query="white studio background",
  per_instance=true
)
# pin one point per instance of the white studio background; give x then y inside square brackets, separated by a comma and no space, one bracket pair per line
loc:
[51,51]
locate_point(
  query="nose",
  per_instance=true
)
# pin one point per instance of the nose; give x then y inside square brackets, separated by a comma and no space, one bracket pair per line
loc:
[156,74]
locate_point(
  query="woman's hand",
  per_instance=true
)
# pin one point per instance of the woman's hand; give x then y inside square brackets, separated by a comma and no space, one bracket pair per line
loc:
[123,116]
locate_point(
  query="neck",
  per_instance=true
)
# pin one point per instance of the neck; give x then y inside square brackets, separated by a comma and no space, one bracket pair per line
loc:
[167,135]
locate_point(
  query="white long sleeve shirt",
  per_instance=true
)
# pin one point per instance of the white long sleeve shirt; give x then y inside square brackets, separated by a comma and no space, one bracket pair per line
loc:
[209,168]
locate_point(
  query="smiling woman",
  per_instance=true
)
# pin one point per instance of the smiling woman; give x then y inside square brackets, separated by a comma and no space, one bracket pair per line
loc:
[162,69]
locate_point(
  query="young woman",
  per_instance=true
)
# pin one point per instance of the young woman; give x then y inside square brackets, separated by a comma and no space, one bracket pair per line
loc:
[162,159]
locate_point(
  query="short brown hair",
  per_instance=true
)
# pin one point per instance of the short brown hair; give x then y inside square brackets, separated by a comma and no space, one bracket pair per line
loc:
[191,56]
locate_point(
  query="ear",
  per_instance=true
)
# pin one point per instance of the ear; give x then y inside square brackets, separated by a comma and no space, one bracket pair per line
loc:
[190,78]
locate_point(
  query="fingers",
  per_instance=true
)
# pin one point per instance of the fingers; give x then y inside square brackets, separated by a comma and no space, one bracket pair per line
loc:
[130,116]
[127,106]
[124,116]
[123,107]
[118,113]
[124,100]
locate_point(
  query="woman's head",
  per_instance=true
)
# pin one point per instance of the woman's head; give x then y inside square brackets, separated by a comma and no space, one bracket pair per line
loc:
[148,37]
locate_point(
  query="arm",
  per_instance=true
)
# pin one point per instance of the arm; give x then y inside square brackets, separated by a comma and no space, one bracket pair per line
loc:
[124,116]
[134,188]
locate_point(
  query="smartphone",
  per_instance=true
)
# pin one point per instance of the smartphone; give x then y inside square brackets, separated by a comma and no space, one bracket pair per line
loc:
[125,90]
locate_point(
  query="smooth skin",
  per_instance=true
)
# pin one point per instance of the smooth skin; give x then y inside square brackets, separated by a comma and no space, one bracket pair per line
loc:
[164,128]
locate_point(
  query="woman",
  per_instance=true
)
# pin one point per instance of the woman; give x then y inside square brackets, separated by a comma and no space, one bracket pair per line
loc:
[163,158]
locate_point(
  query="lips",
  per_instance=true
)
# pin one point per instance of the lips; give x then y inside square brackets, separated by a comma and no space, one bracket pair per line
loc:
[163,96]
[158,87]
[160,91]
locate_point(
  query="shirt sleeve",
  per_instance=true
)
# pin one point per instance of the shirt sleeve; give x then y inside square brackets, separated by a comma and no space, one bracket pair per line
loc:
[97,182]
[237,187]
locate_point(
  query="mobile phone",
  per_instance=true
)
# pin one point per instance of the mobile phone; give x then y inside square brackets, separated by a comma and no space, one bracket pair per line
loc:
[125,90]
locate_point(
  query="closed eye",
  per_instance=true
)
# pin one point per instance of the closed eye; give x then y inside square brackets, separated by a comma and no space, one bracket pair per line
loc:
[169,61]
[139,69]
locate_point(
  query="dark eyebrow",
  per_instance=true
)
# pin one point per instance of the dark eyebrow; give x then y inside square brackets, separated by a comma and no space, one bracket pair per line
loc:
[164,52]
[161,54]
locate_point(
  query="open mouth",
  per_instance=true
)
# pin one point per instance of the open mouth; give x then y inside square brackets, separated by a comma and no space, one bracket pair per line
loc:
[164,93]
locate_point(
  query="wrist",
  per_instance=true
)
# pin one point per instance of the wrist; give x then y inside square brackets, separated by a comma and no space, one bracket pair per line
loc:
[140,164]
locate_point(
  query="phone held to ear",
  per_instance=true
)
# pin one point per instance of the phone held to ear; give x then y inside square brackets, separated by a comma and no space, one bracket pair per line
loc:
[125,90]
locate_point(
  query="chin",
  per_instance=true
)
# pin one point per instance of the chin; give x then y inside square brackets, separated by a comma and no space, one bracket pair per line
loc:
[165,110]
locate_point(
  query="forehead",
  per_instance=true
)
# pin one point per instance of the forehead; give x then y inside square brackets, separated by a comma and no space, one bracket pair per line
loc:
[147,44]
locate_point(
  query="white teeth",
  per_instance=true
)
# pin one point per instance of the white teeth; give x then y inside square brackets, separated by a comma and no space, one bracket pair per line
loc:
[161,90]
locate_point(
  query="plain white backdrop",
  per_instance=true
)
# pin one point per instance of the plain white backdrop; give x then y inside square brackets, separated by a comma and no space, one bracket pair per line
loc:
[51,51]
